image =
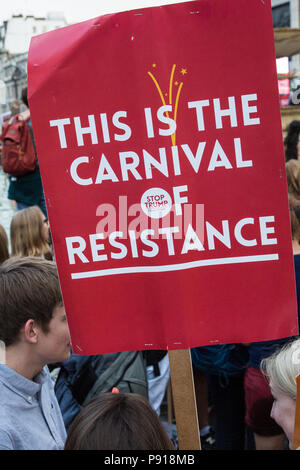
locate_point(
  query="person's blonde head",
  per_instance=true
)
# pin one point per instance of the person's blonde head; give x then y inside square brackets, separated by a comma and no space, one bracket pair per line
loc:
[4,253]
[27,233]
[283,367]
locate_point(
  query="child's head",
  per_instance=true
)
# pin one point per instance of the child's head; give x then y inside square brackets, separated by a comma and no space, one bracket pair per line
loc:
[4,253]
[29,290]
[29,233]
[123,421]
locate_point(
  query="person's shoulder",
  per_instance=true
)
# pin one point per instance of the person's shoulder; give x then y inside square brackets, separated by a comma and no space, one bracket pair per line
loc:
[7,424]
[4,381]
[7,395]
[3,389]
[6,441]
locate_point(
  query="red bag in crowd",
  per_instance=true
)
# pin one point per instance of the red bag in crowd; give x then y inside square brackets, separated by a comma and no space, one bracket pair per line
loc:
[18,155]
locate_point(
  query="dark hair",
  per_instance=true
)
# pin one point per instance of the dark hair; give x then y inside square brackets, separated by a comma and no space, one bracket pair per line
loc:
[295,225]
[29,289]
[24,96]
[118,421]
[291,140]
[4,253]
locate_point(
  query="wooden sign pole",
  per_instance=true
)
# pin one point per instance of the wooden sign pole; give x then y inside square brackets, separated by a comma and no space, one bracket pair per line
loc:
[296,441]
[183,392]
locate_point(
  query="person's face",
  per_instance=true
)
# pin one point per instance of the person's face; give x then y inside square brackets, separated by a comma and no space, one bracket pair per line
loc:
[54,346]
[283,412]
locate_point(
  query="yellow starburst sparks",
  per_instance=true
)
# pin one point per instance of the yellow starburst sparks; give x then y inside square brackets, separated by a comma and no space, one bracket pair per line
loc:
[179,85]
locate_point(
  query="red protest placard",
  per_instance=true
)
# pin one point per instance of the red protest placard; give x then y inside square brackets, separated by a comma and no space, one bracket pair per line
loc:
[159,139]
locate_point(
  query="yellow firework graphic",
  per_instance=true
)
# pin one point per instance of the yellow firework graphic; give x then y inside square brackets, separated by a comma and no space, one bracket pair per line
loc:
[172,84]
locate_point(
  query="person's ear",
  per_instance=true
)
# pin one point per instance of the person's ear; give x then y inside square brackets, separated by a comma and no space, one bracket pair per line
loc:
[31,331]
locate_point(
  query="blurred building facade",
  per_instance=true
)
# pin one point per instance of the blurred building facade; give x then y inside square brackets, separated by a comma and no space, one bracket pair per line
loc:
[286,14]
[15,36]
[20,29]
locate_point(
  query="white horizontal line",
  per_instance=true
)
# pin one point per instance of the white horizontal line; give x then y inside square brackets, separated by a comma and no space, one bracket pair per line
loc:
[175,267]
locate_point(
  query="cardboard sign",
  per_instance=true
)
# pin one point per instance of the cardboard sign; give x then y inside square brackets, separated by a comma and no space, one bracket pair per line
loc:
[159,139]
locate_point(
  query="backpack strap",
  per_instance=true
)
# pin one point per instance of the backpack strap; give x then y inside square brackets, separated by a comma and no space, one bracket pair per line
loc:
[109,364]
